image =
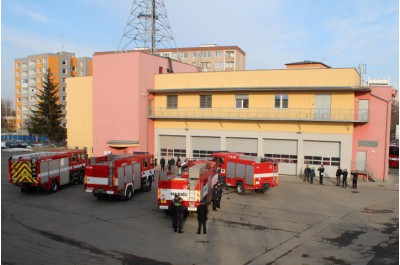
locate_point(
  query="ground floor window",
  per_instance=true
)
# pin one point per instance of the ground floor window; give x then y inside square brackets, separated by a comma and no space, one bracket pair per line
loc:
[202,153]
[282,158]
[319,160]
[173,152]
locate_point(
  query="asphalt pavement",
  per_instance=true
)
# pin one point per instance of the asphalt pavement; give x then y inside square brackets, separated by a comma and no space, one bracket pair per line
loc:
[295,223]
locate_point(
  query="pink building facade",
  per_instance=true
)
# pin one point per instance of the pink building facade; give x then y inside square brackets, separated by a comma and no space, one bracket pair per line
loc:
[371,139]
[120,99]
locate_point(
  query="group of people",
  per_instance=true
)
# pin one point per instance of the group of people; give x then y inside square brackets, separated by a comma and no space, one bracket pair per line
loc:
[178,210]
[171,163]
[309,174]
[341,176]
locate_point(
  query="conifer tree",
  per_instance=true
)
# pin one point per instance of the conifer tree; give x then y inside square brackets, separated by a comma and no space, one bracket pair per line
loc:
[46,119]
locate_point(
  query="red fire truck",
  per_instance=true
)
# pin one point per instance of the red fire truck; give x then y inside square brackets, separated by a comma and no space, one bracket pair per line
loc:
[193,184]
[394,156]
[119,175]
[47,170]
[246,172]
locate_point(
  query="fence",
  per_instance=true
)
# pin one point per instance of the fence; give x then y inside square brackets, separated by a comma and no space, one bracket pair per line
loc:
[19,137]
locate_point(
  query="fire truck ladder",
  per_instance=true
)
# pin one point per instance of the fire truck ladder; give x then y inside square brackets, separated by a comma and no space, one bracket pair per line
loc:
[110,173]
[192,192]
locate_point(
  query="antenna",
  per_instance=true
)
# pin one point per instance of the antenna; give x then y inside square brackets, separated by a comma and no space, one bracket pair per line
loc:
[62,42]
[362,69]
[147,27]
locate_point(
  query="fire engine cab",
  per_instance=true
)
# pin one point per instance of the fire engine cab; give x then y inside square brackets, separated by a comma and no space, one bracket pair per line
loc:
[47,170]
[246,172]
[192,184]
[119,175]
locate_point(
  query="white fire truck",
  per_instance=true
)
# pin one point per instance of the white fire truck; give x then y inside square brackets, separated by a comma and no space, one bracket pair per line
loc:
[246,172]
[47,170]
[193,184]
[119,175]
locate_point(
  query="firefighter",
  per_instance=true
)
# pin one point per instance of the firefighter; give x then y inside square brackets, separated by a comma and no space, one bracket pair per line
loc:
[178,211]
[162,163]
[220,192]
[306,174]
[215,194]
[202,216]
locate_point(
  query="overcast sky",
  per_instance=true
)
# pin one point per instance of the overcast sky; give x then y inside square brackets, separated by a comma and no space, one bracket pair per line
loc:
[339,33]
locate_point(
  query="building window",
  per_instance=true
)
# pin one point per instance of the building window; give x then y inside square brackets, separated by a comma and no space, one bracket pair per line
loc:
[64,88]
[319,160]
[281,101]
[33,98]
[63,97]
[172,102]
[44,60]
[64,62]
[229,54]
[184,55]
[18,82]
[38,60]
[194,54]
[229,64]
[18,65]
[173,152]
[218,54]
[81,73]
[218,65]
[82,63]
[165,54]
[205,54]
[73,68]
[65,71]
[205,65]
[282,158]
[19,99]
[175,56]
[242,101]
[44,70]
[39,70]
[17,73]
[205,101]
[194,63]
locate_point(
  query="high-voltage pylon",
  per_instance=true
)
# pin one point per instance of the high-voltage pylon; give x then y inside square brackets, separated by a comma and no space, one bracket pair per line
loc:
[147,27]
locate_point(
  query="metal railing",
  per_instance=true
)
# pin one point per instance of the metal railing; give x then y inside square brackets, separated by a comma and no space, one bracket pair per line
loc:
[291,114]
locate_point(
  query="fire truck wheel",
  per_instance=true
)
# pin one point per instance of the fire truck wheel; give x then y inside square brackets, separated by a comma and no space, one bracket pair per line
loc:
[149,185]
[128,194]
[239,188]
[54,186]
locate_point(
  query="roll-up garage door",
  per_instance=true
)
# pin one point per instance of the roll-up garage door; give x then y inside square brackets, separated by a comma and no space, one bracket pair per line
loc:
[326,153]
[173,146]
[205,146]
[285,152]
[247,146]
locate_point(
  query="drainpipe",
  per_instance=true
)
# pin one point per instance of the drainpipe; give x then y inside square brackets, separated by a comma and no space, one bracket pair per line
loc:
[386,135]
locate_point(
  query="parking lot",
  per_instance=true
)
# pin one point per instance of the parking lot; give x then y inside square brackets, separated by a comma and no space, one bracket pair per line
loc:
[296,223]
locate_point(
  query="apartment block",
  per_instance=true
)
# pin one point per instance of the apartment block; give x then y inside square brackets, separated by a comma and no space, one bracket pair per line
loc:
[29,73]
[209,57]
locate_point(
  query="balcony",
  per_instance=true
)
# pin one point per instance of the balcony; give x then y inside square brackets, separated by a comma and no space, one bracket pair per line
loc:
[264,114]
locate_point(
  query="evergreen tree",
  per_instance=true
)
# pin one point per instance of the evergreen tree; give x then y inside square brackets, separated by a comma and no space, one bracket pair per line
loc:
[46,119]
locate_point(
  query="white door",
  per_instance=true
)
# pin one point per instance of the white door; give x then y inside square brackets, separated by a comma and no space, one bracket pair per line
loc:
[285,152]
[363,109]
[319,152]
[322,109]
[361,160]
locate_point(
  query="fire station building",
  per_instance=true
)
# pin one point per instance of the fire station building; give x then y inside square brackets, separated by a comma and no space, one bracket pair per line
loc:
[308,113]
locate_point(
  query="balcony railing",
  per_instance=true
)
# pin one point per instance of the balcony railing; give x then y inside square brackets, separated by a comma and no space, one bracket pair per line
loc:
[298,114]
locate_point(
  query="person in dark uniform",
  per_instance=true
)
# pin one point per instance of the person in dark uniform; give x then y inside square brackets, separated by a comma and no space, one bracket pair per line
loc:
[338,174]
[162,163]
[220,192]
[355,178]
[202,212]
[306,174]
[344,181]
[215,194]
[312,175]
[178,210]
[321,170]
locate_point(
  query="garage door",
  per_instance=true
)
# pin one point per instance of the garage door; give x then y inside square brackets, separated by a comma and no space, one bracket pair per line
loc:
[204,146]
[326,153]
[285,152]
[247,146]
[173,146]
